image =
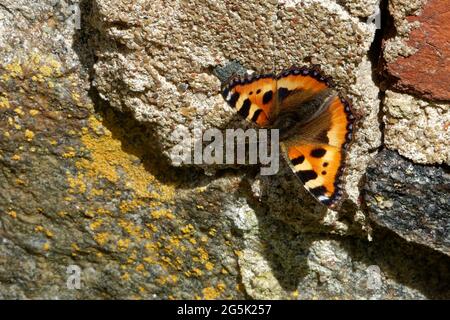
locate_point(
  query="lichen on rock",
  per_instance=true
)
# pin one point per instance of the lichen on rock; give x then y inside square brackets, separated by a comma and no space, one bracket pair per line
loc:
[86,180]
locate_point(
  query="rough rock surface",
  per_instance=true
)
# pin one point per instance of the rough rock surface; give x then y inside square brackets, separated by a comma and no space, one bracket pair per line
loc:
[161,69]
[88,183]
[418,129]
[395,191]
[426,71]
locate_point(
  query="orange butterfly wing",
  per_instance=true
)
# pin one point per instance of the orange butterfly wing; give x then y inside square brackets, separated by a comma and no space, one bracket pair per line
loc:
[320,162]
[252,97]
[317,153]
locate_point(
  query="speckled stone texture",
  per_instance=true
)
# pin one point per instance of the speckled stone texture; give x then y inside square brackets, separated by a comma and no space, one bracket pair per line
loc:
[410,199]
[418,129]
[85,179]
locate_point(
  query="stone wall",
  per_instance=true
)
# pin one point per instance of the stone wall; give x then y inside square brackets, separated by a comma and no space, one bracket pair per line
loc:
[87,107]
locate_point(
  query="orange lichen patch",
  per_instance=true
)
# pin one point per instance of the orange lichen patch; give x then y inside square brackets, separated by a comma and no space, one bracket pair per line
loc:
[211,293]
[15,69]
[108,157]
[70,153]
[96,224]
[187,229]
[101,238]
[125,276]
[36,67]
[123,244]
[76,183]
[34,112]
[12,214]
[197,272]
[41,229]
[126,188]
[130,205]
[131,228]
[16,157]
[212,232]
[162,213]
[140,267]
[19,111]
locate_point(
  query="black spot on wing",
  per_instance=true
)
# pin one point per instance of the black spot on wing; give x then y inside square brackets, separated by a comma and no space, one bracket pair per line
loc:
[234,98]
[318,191]
[318,153]
[256,115]
[225,93]
[283,93]
[267,97]
[298,160]
[306,175]
[245,109]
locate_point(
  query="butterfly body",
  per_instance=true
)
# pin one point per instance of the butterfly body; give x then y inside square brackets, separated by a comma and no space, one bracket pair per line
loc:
[315,124]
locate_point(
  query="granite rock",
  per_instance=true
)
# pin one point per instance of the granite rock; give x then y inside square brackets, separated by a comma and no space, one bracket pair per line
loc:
[164,70]
[410,199]
[418,129]
[86,184]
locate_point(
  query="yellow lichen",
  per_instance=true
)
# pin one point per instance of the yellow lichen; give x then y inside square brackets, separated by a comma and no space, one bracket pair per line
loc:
[70,153]
[34,112]
[15,69]
[212,232]
[76,183]
[101,238]
[96,224]
[122,244]
[162,213]
[12,214]
[29,135]
[4,103]
[210,293]
[209,266]
[19,111]
[46,71]
[41,229]
[125,276]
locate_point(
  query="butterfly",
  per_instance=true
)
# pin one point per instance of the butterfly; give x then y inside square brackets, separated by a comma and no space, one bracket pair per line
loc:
[315,124]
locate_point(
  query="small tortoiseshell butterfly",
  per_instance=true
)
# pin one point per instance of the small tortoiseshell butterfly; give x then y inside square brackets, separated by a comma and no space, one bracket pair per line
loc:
[315,124]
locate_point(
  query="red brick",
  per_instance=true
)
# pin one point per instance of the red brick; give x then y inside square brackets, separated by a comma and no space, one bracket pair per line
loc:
[427,72]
